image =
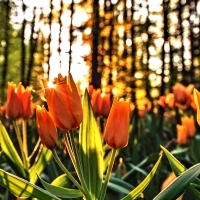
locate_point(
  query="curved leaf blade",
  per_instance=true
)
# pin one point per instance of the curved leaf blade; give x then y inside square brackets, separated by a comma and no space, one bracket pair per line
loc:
[91,149]
[140,188]
[60,191]
[62,181]
[178,168]
[10,151]
[43,160]
[120,186]
[180,184]
[22,188]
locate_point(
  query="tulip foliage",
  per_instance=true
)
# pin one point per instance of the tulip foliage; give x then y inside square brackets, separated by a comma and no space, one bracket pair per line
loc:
[124,161]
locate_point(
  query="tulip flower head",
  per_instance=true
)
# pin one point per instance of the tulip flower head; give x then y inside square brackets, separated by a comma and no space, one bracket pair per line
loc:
[116,130]
[182,137]
[19,104]
[46,128]
[64,103]
[197,102]
[182,94]
[101,103]
[186,130]
[189,123]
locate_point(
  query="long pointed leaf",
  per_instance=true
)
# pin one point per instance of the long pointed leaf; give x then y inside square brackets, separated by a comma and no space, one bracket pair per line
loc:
[91,149]
[60,191]
[178,168]
[43,160]
[22,188]
[180,184]
[62,181]
[140,188]
[10,151]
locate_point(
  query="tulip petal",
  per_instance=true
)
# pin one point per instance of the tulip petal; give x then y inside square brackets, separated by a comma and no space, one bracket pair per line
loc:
[59,107]
[74,100]
[46,128]
[14,107]
[117,125]
[197,100]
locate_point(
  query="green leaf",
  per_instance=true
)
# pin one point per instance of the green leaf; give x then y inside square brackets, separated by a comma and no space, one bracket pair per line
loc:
[180,150]
[10,151]
[119,185]
[60,191]
[140,170]
[107,159]
[43,160]
[194,148]
[179,185]
[5,196]
[22,188]
[140,188]
[151,158]
[178,168]
[62,181]
[91,149]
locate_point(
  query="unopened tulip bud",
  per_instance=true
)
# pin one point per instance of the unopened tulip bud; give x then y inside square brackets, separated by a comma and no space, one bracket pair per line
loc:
[14,107]
[46,128]
[116,130]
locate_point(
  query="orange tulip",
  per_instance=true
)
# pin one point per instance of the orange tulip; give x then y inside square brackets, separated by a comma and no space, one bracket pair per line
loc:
[189,123]
[171,177]
[101,103]
[182,94]
[27,103]
[106,104]
[186,130]
[96,101]
[64,103]
[46,128]
[116,130]
[14,107]
[182,138]
[167,101]
[197,102]
[19,104]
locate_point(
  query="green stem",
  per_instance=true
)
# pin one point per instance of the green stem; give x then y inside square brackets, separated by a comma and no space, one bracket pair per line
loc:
[69,149]
[57,159]
[24,135]
[78,164]
[108,174]
[35,149]
[25,163]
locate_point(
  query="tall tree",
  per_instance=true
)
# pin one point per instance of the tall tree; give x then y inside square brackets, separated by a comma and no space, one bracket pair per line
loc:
[96,75]
[5,6]
[23,47]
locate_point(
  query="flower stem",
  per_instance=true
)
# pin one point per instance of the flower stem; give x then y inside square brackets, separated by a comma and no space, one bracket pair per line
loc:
[24,135]
[79,165]
[25,163]
[57,159]
[69,149]
[108,174]
[35,149]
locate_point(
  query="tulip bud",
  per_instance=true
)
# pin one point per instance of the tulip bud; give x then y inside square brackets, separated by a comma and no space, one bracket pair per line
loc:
[14,107]
[182,138]
[116,130]
[46,128]
[64,103]
[26,102]
[197,102]
[19,104]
